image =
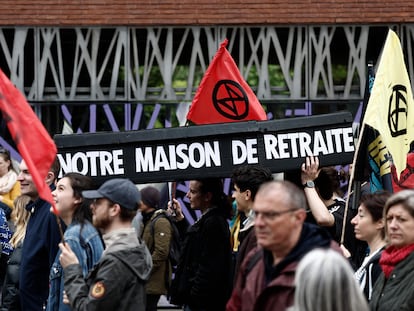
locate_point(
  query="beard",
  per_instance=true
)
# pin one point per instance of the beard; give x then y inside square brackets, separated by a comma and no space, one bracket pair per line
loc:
[102,221]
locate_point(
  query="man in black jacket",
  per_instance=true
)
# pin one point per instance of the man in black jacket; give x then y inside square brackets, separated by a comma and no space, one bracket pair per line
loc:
[117,282]
[41,241]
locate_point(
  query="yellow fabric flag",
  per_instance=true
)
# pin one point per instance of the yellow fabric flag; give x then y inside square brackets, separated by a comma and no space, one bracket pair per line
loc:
[390,108]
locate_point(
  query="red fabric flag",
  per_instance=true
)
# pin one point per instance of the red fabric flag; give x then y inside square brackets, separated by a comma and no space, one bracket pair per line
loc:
[223,94]
[32,140]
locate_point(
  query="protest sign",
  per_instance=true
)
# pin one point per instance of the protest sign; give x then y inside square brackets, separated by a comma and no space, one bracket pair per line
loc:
[213,150]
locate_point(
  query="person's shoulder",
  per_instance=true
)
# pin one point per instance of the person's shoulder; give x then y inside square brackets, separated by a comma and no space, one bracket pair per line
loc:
[87,227]
[86,230]
[215,214]
[214,221]
[340,201]
[251,259]
[72,229]
[162,222]
[43,209]
[338,205]
[160,216]
[137,258]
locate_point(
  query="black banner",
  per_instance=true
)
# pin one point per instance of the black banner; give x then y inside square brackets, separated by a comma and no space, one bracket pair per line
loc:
[185,153]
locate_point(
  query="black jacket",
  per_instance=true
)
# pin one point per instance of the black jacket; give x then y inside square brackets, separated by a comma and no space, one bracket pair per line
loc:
[203,276]
[10,299]
[39,251]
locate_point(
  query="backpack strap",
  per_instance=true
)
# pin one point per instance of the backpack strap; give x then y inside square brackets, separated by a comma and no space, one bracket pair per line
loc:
[253,260]
[158,215]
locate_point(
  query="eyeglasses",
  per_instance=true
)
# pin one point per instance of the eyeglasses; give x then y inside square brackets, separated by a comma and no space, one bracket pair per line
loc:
[268,216]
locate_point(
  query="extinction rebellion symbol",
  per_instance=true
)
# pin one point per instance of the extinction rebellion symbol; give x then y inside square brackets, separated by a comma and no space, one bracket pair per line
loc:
[397,111]
[230,100]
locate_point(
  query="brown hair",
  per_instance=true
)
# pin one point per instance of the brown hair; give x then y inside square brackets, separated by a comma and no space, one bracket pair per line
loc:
[374,204]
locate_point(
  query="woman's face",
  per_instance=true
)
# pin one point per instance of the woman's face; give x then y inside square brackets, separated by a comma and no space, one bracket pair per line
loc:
[400,226]
[364,226]
[4,166]
[64,197]
[194,195]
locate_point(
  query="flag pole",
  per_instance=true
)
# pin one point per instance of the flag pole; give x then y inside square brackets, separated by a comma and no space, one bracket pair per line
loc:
[172,186]
[354,185]
[59,221]
[350,183]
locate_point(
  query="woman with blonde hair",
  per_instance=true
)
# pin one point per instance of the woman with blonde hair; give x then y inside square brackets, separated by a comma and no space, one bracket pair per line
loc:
[325,282]
[10,299]
[9,187]
[394,288]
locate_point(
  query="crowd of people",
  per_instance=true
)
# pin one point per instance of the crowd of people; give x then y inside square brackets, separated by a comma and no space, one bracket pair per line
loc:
[272,245]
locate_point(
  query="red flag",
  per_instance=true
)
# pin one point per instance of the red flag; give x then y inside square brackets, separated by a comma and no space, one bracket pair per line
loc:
[33,141]
[223,95]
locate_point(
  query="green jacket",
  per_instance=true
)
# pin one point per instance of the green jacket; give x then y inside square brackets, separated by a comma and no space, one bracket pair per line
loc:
[117,282]
[396,293]
[159,247]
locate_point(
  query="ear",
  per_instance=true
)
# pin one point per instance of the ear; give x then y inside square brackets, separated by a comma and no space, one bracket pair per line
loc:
[115,210]
[300,215]
[380,224]
[50,178]
[78,201]
[248,195]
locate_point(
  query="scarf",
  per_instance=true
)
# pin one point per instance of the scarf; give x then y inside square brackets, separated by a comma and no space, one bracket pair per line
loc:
[391,256]
[7,182]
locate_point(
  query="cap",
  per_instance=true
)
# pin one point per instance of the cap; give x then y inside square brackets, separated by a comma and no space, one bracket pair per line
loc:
[150,196]
[118,190]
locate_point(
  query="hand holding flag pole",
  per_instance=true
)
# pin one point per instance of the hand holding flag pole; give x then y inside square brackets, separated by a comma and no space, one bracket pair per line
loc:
[171,191]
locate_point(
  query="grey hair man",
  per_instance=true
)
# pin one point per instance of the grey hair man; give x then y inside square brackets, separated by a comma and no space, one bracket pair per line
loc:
[265,280]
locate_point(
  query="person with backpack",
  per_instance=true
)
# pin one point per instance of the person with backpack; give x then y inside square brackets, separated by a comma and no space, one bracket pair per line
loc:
[157,235]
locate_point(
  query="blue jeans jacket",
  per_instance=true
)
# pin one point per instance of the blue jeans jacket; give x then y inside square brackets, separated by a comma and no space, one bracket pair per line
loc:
[88,247]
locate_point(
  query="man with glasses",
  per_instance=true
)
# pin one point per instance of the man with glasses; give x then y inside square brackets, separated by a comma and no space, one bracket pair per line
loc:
[117,282]
[266,277]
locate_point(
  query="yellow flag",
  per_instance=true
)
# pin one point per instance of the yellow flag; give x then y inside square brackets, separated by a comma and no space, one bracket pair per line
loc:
[390,108]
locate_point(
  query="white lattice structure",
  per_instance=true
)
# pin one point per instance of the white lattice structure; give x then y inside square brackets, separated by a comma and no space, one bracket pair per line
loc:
[118,65]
